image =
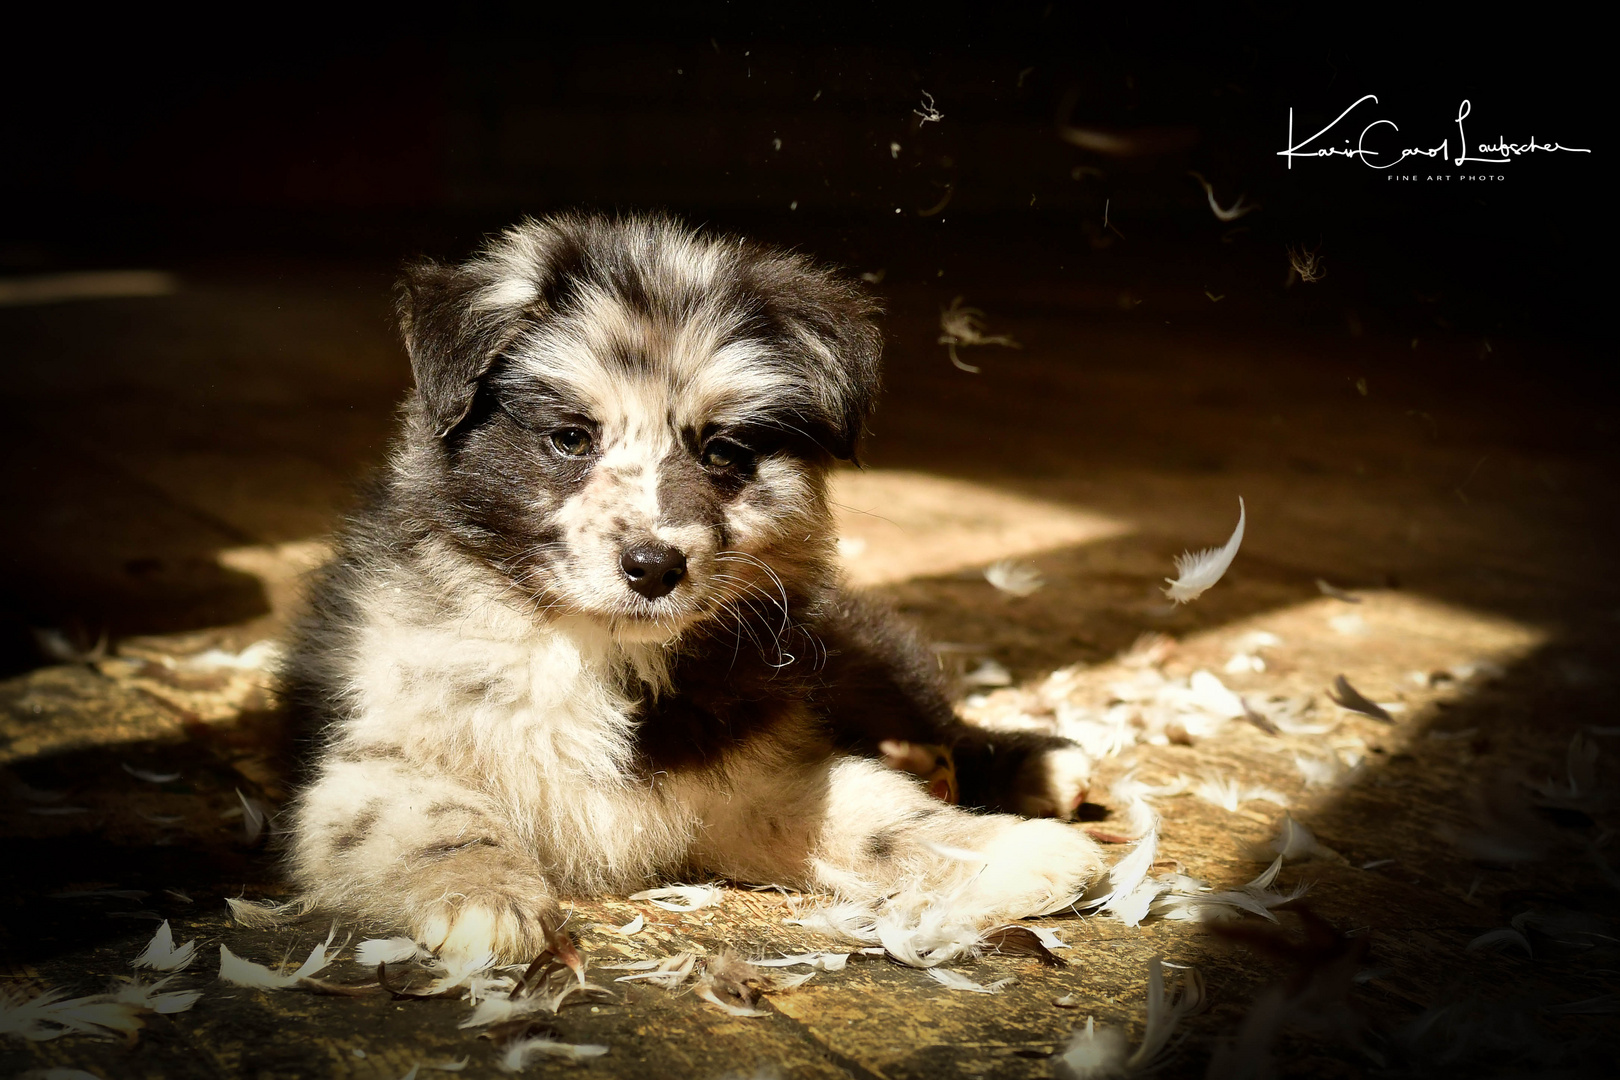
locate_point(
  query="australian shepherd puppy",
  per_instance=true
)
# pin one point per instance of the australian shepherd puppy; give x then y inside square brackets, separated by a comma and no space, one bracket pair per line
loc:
[587,634]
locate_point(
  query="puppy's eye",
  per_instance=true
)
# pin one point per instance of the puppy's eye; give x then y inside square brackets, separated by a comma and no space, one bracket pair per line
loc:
[720,454]
[572,441]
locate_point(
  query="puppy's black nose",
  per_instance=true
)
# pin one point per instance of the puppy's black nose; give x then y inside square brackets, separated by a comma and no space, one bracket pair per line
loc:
[653,569]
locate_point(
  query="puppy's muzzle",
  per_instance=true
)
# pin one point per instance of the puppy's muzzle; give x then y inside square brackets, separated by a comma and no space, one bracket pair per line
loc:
[653,569]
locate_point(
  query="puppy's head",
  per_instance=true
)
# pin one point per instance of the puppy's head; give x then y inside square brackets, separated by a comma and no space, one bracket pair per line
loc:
[632,421]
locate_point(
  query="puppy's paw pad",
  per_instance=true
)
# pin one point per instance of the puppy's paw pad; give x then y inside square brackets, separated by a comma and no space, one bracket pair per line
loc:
[1053,783]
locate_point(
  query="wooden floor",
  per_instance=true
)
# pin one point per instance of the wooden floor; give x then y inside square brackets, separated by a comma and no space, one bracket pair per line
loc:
[175,460]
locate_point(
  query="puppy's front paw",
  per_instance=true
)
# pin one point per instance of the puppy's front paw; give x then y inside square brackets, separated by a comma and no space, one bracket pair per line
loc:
[1032,868]
[1052,783]
[490,925]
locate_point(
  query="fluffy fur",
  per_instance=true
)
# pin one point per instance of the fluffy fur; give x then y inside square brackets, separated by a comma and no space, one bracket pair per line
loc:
[586,633]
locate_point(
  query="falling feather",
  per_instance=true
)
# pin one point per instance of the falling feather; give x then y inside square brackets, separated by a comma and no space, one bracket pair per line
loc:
[149,776]
[965,326]
[1014,577]
[1165,1010]
[255,815]
[1222,213]
[955,980]
[1099,1053]
[1195,574]
[1327,588]
[633,926]
[1348,697]
[1577,791]
[1093,1054]
[682,897]
[161,955]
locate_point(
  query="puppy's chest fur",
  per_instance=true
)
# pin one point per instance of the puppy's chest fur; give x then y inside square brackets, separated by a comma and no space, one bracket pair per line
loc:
[606,759]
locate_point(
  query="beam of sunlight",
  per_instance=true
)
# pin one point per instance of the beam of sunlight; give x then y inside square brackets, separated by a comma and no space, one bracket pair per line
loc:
[85,285]
[895,525]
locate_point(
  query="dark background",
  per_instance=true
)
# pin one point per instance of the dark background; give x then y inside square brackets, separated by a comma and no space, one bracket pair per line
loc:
[312,131]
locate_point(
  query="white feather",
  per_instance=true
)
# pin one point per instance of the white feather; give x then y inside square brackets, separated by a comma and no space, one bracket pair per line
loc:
[668,973]
[161,955]
[927,938]
[1165,1010]
[255,815]
[821,961]
[1196,573]
[1494,939]
[461,970]
[1100,1053]
[1014,577]
[263,914]
[234,969]
[149,776]
[151,996]
[1228,794]
[1093,1053]
[633,926]
[955,980]
[1295,841]
[682,897]
[394,950]
[1047,936]
[1190,899]
[1130,894]
[707,993]
[520,1053]
[49,1015]
[259,656]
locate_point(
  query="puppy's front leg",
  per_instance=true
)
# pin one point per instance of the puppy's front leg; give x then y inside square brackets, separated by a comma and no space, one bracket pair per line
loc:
[401,845]
[864,832]
[883,832]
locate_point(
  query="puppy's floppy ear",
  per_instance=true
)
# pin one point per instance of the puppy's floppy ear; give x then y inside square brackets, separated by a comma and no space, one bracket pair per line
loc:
[452,339]
[829,323]
[856,345]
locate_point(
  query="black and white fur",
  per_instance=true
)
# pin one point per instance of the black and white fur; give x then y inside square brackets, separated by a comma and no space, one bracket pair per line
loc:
[587,634]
